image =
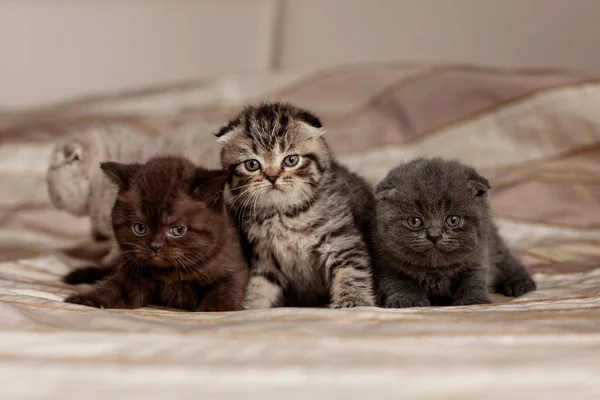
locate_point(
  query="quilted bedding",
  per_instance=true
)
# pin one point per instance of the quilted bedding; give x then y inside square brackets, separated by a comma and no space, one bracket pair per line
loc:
[534,133]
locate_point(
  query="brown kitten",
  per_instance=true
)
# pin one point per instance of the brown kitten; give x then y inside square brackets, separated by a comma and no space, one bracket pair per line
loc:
[178,247]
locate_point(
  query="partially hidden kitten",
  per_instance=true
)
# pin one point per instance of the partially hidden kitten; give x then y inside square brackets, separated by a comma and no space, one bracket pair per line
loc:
[177,245]
[77,185]
[435,240]
[304,218]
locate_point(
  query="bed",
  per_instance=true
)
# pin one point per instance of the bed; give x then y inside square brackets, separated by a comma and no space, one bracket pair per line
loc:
[534,133]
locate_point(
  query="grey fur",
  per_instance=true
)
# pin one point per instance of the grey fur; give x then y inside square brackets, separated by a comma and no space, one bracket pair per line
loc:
[306,234]
[465,262]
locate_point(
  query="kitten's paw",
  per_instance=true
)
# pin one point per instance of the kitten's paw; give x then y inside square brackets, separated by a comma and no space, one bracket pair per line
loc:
[92,300]
[203,308]
[84,300]
[518,287]
[407,302]
[257,303]
[351,301]
[218,307]
[471,300]
[87,275]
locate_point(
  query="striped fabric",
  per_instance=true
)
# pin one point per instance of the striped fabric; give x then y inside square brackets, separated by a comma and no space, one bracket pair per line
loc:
[534,133]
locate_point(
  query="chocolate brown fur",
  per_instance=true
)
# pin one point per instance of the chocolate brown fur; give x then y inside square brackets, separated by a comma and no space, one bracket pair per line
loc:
[202,269]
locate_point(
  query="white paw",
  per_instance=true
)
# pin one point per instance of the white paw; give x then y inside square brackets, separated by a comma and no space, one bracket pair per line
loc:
[257,304]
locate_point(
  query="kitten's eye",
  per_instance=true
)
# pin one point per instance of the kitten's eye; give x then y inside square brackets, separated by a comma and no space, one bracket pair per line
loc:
[453,221]
[139,229]
[252,165]
[177,230]
[414,222]
[291,161]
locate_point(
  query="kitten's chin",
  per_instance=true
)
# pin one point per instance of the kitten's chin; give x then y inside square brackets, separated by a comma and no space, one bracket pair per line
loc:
[160,262]
[283,198]
[156,261]
[431,257]
[440,258]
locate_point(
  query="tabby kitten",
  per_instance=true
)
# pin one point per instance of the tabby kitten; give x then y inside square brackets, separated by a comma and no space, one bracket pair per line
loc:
[304,218]
[177,245]
[435,240]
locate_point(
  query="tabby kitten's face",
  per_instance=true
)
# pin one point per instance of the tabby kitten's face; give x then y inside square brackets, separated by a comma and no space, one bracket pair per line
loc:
[276,157]
[432,212]
[168,213]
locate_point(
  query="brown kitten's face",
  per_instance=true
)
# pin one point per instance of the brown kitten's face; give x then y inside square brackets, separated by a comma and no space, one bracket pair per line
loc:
[173,233]
[166,214]
[431,214]
[276,160]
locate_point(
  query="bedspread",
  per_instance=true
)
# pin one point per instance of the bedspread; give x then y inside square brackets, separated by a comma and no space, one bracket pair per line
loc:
[534,133]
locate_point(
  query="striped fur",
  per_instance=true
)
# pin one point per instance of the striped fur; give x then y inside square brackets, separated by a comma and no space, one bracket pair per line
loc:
[307,228]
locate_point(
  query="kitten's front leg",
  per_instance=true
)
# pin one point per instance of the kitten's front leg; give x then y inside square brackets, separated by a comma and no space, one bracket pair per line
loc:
[471,287]
[349,274]
[510,276]
[114,292]
[226,296]
[265,289]
[399,291]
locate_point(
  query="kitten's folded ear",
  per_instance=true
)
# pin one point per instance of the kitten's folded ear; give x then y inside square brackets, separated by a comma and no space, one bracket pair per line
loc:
[72,151]
[120,174]
[480,185]
[311,119]
[310,123]
[208,186]
[385,189]
[228,131]
[66,153]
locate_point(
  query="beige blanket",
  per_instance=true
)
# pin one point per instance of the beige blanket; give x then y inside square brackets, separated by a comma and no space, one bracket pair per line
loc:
[535,134]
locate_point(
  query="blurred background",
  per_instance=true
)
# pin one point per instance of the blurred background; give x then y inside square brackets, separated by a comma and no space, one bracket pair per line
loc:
[57,49]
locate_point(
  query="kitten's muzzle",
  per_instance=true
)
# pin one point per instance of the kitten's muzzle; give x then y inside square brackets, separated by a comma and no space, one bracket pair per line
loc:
[433,235]
[271,178]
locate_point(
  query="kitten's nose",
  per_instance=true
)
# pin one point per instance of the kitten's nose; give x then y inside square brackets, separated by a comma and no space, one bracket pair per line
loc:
[272,178]
[155,248]
[433,235]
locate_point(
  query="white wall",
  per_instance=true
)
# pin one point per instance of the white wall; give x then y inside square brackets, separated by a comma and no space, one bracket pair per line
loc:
[53,49]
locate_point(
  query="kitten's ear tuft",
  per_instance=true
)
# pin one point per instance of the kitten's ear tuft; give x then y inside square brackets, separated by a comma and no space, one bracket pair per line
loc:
[480,185]
[208,186]
[227,132]
[120,174]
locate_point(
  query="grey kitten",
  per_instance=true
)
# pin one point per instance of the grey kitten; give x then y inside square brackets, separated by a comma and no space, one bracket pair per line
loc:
[304,218]
[435,240]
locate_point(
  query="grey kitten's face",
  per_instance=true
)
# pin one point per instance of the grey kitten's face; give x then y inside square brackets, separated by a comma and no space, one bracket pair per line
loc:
[68,179]
[275,157]
[432,212]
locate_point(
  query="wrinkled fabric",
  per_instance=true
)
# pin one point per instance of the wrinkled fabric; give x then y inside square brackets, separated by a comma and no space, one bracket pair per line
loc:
[534,133]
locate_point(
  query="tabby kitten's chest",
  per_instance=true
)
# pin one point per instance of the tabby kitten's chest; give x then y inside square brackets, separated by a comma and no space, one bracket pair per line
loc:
[291,248]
